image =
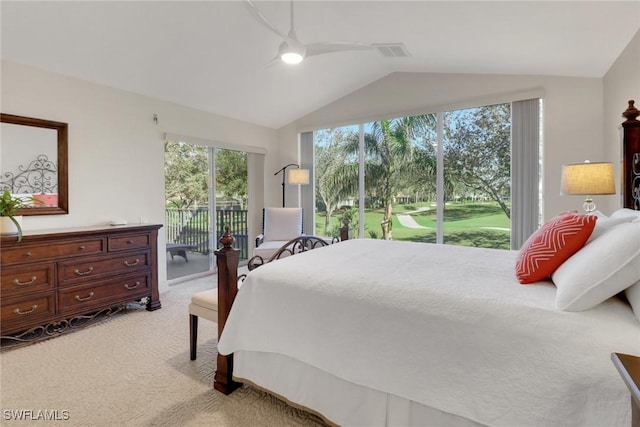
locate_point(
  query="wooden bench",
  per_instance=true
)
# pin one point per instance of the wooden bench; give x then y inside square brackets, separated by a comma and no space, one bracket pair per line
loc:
[180,249]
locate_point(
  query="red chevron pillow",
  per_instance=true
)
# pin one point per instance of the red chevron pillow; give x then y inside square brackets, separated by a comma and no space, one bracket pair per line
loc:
[552,244]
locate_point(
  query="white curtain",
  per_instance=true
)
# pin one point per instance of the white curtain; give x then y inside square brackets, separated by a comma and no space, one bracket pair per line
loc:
[307,196]
[255,189]
[525,170]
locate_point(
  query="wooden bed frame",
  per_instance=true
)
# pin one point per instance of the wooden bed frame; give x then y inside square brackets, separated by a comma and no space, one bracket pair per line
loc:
[228,258]
[631,158]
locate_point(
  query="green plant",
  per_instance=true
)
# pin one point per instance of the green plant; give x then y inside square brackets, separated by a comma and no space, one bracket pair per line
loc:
[9,206]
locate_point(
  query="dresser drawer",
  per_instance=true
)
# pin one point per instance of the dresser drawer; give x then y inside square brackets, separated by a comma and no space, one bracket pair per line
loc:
[113,291]
[33,253]
[28,278]
[27,309]
[87,269]
[130,241]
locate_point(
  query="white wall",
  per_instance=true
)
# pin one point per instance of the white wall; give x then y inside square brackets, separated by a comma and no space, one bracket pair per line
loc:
[116,150]
[621,83]
[573,114]
[288,152]
[116,154]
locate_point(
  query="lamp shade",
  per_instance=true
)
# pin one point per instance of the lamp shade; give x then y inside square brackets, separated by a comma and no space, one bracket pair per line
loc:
[588,178]
[298,176]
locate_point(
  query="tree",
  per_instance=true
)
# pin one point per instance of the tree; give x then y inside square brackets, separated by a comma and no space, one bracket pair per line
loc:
[478,150]
[231,175]
[392,152]
[186,174]
[330,158]
[422,180]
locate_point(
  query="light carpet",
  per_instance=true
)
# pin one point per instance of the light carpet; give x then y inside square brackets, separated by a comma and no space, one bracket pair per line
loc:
[133,370]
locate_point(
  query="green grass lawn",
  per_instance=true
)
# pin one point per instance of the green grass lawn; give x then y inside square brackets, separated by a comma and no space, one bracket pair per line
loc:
[466,224]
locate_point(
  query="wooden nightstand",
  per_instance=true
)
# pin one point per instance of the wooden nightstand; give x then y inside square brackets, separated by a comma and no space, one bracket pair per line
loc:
[629,368]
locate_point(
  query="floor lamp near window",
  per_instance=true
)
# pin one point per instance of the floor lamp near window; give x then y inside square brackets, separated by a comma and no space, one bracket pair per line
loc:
[588,179]
[293,177]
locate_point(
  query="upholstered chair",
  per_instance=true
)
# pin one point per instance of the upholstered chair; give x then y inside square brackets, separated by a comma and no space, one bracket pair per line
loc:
[279,225]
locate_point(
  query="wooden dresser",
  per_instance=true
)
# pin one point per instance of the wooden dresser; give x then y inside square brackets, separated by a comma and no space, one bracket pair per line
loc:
[54,278]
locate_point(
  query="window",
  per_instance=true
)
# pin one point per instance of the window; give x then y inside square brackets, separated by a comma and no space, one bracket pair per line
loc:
[477,176]
[443,177]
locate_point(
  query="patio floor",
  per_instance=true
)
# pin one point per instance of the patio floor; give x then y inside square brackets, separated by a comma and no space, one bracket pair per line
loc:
[179,267]
[198,263]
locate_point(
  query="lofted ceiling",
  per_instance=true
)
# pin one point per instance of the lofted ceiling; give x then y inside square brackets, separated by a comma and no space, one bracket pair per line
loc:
[214,55]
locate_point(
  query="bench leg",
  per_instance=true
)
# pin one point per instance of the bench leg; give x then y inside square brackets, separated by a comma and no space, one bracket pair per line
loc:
[179,252]
[193,335]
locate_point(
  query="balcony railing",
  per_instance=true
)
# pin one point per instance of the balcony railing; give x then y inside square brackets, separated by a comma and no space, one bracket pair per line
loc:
[194,227]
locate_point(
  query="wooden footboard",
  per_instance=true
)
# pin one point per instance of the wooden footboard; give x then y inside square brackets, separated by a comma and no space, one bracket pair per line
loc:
[227,260]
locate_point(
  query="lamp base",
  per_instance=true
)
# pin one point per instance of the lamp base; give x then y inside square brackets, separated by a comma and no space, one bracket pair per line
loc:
[588,205]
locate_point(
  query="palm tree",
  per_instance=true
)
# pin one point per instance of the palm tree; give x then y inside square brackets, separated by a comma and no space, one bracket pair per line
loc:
[392,149]
[330,157]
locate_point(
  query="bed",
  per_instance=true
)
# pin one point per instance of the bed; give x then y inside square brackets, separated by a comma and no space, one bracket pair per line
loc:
[370,332]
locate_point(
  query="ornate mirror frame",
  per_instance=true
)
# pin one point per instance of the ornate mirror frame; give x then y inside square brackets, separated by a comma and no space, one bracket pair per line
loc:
[62,170]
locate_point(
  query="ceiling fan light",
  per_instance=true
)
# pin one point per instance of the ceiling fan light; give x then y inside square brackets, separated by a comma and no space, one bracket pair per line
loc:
[291,57]
[291,54]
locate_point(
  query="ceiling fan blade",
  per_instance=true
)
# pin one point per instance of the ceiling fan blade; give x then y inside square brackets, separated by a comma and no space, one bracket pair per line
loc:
[330,47]
[291,50]
[273,62]
[263,20]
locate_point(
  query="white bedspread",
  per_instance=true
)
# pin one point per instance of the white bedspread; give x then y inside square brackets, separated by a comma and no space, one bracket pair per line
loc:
[448,327]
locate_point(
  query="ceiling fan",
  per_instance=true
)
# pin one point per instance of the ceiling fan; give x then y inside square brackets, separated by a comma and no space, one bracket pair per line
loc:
[292,50]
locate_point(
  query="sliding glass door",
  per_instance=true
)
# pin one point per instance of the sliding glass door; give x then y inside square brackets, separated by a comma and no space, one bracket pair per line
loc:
[232,198]
[205,189]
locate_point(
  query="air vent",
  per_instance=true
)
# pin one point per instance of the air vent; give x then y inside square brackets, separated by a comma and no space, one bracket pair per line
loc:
[392,50]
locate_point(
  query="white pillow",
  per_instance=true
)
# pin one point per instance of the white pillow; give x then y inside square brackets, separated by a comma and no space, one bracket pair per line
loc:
[633,295]
[604,223]
[626,212]
[601,269]
[598,214]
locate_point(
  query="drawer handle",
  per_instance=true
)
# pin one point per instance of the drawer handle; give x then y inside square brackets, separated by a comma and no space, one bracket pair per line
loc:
[82,248]
[129,264]
[85,298]
[33,307]
[126,285]
[83,273]
[27,254]
[19,283]
[130,242]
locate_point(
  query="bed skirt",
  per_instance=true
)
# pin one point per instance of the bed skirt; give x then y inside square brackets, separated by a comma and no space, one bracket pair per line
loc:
[336,400]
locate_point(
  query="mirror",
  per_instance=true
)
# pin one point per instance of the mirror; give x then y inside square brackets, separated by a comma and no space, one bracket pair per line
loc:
[33,162]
